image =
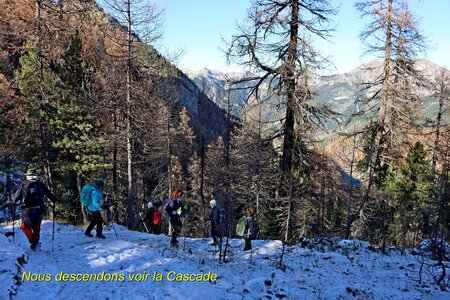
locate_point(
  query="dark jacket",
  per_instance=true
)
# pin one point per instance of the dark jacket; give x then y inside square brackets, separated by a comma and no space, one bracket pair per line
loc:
[214,216]
[171,209]
[149,215]
[32,192]
[252,228]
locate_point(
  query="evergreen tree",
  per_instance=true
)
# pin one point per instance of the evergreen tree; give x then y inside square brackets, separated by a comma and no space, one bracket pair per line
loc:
[393,96]
[273,42]
[74,128]
[198,209]
[254,172]
[31,112]
[412,190]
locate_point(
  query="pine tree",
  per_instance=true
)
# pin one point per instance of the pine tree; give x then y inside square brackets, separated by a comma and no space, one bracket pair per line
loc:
[198,207]
[142,22]
[412,190]
[274,44]
[393,95]
[253,168]
[32,113]
[73,126]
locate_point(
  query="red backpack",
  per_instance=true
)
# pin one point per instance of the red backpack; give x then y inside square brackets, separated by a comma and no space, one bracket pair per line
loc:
[156,217]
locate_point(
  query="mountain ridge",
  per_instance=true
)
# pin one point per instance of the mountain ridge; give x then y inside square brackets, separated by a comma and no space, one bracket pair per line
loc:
[332,90]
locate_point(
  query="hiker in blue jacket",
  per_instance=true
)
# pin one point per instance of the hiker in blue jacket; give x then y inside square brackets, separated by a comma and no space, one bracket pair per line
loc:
[94,209]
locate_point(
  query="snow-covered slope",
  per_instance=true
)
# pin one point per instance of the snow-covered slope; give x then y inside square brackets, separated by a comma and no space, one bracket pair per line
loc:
[328,269]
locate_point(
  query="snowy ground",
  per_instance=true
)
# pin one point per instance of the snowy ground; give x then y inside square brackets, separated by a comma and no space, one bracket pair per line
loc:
[331,269]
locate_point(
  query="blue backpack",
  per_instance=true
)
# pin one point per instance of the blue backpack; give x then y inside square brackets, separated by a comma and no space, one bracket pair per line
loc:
[85,197]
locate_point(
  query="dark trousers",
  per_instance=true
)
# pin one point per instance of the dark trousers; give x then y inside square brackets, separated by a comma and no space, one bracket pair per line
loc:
[216,233]
[96,220]
[176,229]
[154,229]
[248,244]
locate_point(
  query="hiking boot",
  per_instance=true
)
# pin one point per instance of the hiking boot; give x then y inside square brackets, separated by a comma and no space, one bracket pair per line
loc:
[88,234]
[101,236]
[35,245]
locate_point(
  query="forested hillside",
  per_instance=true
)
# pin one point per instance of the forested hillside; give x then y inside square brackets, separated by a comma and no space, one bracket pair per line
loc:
[66,107]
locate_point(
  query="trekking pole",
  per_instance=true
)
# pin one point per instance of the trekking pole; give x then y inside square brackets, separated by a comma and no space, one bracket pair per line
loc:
[112,223]
[14,219]
[114,228]
[184,229]
[53,225]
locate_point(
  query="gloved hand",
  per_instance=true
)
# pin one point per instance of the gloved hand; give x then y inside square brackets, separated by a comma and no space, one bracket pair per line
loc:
[104,206]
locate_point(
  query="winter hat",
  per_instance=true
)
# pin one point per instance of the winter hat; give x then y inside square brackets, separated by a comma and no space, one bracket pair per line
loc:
[99,183]
[150,205]
[31,174]
[213,203]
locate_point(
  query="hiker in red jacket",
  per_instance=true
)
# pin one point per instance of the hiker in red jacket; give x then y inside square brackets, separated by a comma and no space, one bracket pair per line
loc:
[153,217]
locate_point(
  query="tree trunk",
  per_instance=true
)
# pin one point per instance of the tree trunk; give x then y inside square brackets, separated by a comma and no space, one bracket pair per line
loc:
[169,161]
[374,156]
[350,191]
[131,195]
[442,96]
[289,80]
[45,147]
[202,182]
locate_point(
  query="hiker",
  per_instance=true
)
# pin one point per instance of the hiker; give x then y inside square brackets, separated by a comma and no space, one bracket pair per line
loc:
[91,196]
[214,218]
[251,229]
[174,208]
[153,217]
[32,192]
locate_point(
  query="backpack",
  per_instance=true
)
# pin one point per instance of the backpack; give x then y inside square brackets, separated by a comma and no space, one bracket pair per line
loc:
[156,217]
[240,227]
[33,194]
[222,215]
[254,229]
[85,196]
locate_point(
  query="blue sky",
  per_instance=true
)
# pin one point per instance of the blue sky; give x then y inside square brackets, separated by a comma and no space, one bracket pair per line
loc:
[197,28]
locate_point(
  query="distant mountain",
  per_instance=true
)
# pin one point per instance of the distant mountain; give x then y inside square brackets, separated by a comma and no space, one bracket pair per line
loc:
[214,84]
[337,92]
